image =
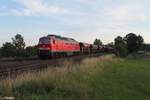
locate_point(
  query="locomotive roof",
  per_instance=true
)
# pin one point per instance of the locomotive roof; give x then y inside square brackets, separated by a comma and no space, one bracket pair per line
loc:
[63,38]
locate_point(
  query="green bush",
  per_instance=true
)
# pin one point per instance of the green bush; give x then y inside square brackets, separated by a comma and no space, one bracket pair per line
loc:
[0,53]
[121,47]
[31,51]
[121,50]
[8,50]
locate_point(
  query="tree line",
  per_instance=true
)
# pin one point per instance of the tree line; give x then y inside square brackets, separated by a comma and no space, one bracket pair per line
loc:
[123,46]
[129,44]
[17,48]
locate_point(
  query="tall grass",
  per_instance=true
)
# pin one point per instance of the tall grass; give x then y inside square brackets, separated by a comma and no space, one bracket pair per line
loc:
[70,79]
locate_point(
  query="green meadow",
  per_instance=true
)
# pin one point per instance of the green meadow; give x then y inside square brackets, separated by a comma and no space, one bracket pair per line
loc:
[97,78]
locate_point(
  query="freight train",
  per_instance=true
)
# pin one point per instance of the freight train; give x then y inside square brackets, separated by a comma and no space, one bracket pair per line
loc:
[57,46]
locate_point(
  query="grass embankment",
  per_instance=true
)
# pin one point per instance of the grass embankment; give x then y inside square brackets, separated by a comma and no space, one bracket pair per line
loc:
[104,78]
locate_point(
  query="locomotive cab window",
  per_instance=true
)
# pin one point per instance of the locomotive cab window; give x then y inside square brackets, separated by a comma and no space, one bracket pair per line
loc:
[53,41]
[44,41]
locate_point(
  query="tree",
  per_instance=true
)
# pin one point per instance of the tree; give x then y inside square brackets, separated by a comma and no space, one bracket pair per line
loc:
[121,47]
[0,52]
[134,42]
[18,42]
[8,50]
[16,48]
[140,41]
[97,42]
[31,51]
[111,44]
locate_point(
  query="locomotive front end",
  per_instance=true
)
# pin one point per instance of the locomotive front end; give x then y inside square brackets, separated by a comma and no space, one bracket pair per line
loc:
[44,47]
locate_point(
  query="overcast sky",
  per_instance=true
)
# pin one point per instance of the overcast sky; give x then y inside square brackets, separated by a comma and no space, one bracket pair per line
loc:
[83,20]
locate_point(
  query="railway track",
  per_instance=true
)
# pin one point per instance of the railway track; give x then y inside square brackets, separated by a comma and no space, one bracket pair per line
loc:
[17,69]
[14,68]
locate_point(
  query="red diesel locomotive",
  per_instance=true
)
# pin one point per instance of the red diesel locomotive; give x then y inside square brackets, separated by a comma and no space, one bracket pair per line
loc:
[56,46]
[53,45]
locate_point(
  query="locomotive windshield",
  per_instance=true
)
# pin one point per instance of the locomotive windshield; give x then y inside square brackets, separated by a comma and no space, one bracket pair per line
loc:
[44,41]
